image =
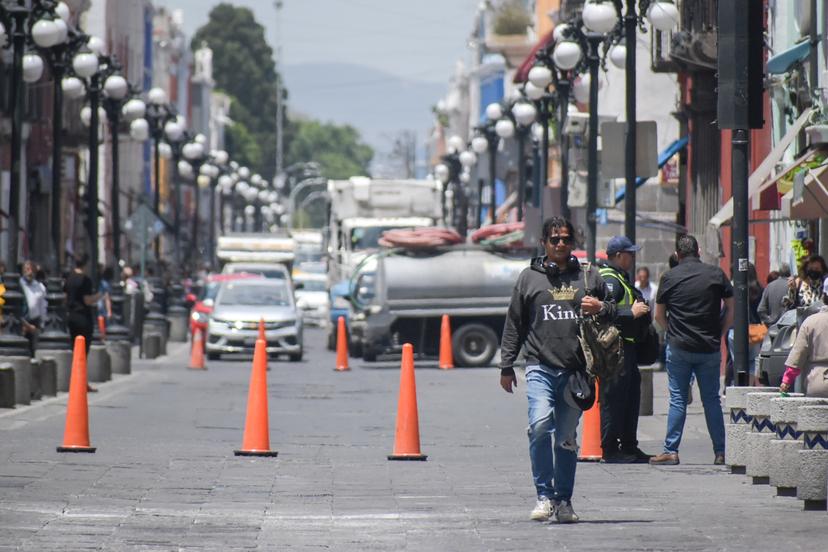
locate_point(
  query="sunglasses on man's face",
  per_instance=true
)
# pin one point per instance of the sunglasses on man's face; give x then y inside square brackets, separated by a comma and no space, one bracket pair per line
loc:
[555,240]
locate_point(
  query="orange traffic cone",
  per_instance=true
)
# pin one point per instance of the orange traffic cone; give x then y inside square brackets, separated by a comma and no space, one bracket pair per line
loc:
[407,438]
[262,335]
[197,352]
[256,440]
[341,346]
[102,326]
[591,450]
[76,434]
[446,354]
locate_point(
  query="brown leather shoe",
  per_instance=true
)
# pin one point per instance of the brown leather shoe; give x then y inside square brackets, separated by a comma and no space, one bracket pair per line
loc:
[665,459]
[719,460]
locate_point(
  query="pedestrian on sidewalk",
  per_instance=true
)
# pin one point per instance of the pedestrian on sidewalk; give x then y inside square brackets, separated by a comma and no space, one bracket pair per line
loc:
[548,299]
[644,284]
[806,289]
[81,301]
[689,305]
[34,307]
[771,306]
[621,396]
[755,294]
[810,353]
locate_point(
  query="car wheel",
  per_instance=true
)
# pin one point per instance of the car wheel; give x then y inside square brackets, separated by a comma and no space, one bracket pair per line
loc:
[474,345]
[332,340]
[369,354]
[213,356]
[295,357]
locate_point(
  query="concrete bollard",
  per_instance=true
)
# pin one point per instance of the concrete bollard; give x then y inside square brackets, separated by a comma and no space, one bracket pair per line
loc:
[63,365]
[738,426]
[152,345]
[48,376]
[645,408]
[6,385]
[757,441]
[120,356]
[783,451]
[159,330]
[178,319]
[98,368]
[22,367]
[35,392]
[812,421]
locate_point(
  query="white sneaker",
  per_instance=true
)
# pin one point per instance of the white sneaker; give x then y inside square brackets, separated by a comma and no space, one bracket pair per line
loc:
[564,512]
[543,510]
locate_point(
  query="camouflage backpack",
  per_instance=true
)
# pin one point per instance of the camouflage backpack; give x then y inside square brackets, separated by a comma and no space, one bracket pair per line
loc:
[601,343]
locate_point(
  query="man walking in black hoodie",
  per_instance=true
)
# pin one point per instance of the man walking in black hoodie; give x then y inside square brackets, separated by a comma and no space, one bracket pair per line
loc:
[548,300]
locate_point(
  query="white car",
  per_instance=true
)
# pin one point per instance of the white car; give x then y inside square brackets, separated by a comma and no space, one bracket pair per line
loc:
[240,305]
[312,297]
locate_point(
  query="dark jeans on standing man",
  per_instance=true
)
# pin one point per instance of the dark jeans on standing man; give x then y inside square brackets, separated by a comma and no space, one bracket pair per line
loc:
[620,401]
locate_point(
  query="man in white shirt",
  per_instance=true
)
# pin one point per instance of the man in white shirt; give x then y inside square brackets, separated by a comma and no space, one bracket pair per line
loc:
[34,315]
[643,283]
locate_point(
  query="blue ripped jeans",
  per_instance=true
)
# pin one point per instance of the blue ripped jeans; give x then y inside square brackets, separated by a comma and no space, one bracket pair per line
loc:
[553,470]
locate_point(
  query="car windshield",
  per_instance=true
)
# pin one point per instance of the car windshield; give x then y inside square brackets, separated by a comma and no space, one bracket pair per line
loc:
[245,294]
[368,237]
[313,285]
[270,273]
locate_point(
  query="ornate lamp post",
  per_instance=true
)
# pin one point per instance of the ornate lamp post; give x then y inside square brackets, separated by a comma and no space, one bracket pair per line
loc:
[158,114]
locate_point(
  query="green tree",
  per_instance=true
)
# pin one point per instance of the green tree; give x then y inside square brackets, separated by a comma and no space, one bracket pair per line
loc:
[337,148]
[244,68]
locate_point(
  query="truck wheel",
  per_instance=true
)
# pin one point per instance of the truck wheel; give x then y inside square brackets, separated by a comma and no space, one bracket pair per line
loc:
[474,345]
[369,354]
[354,349]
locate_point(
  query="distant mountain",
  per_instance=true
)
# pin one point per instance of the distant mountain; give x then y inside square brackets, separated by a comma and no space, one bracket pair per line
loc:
[378,104]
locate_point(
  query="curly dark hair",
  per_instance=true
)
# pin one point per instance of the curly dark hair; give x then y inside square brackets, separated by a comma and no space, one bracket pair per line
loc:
[556,223]
[813,259]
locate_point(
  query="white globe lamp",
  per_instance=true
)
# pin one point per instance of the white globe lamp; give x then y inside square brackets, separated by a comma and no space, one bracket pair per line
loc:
[173,131]
[468,159]
[441,173]
[599,17]
[85,65]
[96,45]
[505,128]
[479,144]
[45,33]
[524,113]
[664,16]
[567,55]
[618,55]
[494,111]
[157,96]
[32,67]
[134,109]
[116,87]
[138,129]
[580,88]
[540,76]
[72,87]
[533,92]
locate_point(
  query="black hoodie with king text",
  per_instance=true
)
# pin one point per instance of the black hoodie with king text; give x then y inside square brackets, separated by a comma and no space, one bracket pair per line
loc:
[544,313]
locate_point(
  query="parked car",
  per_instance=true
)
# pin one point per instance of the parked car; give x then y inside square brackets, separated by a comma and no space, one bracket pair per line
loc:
[266,270]
[203,306]
[239,305]
[312,297]
[778,343]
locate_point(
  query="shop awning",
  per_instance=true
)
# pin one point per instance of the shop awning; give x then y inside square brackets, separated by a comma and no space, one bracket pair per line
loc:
[522,73]
[808,199]
[758,181]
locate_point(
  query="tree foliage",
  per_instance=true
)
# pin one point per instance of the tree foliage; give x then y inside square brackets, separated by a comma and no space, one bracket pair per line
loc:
[244,68]
[337,148]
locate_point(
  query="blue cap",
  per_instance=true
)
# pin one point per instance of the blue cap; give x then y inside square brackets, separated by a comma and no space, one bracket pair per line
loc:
[619,244]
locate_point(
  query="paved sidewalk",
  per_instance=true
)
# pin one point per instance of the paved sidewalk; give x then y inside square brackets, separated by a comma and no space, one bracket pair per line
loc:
[165,478]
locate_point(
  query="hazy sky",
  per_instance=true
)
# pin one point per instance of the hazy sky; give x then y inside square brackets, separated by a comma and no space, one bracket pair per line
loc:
[416,39]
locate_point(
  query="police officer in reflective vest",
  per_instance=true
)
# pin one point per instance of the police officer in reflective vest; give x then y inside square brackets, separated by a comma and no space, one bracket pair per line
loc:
[621,397]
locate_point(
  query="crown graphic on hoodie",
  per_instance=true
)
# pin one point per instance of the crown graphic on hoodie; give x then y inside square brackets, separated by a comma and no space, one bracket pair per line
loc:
[563,293]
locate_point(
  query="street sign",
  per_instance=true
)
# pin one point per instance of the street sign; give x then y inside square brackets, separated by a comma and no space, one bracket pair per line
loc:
[613,140]
[143,226]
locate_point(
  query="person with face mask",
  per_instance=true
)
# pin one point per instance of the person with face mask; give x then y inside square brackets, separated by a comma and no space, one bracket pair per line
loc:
[34,308]
[806,289]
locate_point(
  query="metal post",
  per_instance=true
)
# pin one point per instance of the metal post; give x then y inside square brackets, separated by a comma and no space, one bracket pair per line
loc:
[479,217]
[630,21]
[562,88]
[592,174]
[57,164]
[543,172]
[212,233]
[114,124]
[492,176]
[521,195]
[92,185]
[196,210]
[19,14]
[157,198]
[536,177]
[739,252]
[177,212]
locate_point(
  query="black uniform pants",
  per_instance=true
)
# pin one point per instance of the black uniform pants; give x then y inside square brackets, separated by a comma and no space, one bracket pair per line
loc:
[80,324]
[620,401]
